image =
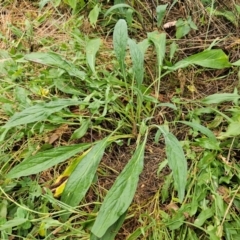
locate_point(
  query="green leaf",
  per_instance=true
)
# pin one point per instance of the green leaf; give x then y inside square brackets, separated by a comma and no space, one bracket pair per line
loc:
[120,38]
[117,6]
[54,60]
[65,86]
[82,176]
[222,97]
[233,130]
[214,58]
[91,51]
[93,15]
[203,216]
[44,160]
[138,60]
[39,112]
[120,196]
[159,41]
[201,129]
[229,15]
[13,223]
[183,28]
[177,161]
[112,231]
[237,8]
[80,132]
[161,11]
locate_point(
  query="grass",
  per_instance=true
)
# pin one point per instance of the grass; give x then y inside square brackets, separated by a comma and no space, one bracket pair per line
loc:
[115,125]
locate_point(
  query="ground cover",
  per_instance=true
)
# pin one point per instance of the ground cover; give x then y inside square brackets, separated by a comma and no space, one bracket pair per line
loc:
[119,119]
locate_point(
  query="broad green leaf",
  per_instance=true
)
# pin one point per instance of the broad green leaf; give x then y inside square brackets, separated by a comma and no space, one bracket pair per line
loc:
[222,97]
[161,11]
[55,60]
[80,132]
[13,223]
[120,38]
[81,178]
[138,60]
[39,112]
[93,15]
[67,172]
[183,28]
[112,231]
[177,162]
[91,51]
[44,160]
[214,58]
[159,41]
[120,196]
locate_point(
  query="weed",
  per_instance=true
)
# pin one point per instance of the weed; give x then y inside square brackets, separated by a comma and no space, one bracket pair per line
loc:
[63,111]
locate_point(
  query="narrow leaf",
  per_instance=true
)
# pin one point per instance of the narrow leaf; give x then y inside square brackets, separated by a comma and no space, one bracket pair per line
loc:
[117,6]
[82,176]
[39,112]
[121,194]
[45,160]
[13,223]
[80,132]
[91,51]
[177,162]
[161,11]
[159,41]
[138,60]
[120,38]
[201,129]
[55,60]
[222,97]
[93,15]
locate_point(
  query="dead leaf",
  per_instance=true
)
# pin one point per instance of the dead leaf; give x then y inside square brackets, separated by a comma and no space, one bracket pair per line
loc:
[170,24]
[57,133]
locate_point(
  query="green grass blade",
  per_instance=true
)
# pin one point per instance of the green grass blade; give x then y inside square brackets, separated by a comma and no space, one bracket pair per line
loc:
[39,112]
[138,60]
[91,51]
[176,161]
[121,194]
[45,160]
[82,176]
[55,60]
[120,38]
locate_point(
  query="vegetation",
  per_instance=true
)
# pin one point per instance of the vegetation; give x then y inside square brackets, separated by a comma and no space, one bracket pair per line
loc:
[119,120]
